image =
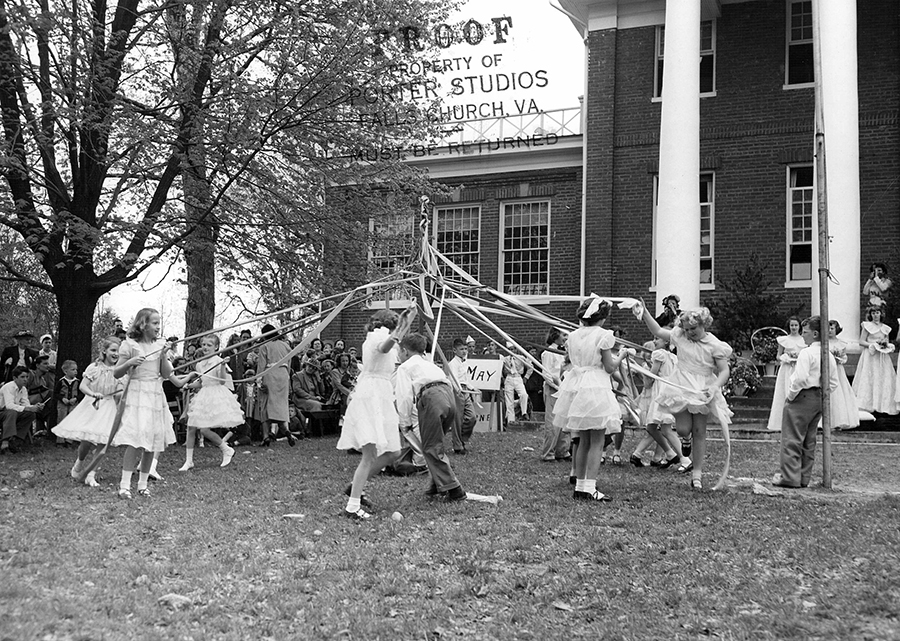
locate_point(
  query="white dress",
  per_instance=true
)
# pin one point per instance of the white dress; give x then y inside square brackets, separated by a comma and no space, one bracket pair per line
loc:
[371,416]
[844,412]
[92,419]
[586,400]
[791,346]
[656,415]
[696,369]
[875,381]
[214,405]
[146,419]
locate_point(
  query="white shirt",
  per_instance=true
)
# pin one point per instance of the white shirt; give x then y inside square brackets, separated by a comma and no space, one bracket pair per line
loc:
[552,364]
[808,371]
[411,376]
[13,397]
[460,371]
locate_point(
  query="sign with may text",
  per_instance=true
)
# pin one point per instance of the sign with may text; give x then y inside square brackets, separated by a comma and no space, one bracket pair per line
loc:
[484,373]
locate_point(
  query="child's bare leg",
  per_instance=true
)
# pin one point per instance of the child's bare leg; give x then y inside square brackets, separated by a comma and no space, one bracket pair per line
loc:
[699,452]
[144,474]
[129,464]
[221,443]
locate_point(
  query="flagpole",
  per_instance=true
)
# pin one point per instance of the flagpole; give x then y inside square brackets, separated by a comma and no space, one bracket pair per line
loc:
[824,265]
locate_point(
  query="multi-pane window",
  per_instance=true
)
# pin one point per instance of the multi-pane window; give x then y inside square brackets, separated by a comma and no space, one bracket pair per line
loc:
[799,67]
[393,244]
[456,235]
[526,248]
[707,227]
[707,58]
[707,231]
[801,202]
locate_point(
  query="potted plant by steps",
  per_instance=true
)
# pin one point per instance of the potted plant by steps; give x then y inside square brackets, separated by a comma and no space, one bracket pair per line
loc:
[743,379]
[765,347]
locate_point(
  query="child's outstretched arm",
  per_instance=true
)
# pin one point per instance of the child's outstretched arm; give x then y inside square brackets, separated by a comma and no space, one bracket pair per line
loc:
[650,322]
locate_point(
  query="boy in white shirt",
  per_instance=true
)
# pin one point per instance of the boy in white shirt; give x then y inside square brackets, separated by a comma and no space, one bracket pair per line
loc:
[423,386]
[803,409]
[465,424]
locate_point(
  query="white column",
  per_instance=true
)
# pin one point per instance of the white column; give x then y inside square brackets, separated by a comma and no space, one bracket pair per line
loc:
[840,105]
[678,201]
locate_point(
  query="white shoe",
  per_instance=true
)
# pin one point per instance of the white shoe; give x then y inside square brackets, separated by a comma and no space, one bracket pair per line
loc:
[90,480]
[185,467]
[227,455]
[154,475]
[76,470]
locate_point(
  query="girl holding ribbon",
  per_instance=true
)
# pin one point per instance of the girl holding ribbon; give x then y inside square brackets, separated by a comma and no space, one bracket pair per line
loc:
[587,406]
[696,390]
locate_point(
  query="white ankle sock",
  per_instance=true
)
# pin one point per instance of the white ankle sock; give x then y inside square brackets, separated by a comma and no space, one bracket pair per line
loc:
[353,505]
[125,483]
[189,455]
[590,485]
[143,479]
[579,485]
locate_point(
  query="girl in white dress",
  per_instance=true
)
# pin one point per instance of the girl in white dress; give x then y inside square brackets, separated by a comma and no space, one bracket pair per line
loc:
[875,381]
[587,406]
[788,350]
[702,366]
[371,424]
[146,425]
[92,419]
[214,404]
[844,411]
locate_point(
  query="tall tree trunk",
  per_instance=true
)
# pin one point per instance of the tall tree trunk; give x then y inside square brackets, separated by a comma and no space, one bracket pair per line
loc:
[76,322]
[199,248]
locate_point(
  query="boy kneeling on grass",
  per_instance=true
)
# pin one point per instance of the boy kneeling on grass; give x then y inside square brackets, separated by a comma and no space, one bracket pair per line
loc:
[423,384]
[803,409]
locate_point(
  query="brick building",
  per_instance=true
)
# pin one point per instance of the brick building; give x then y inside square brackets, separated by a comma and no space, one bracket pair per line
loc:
[611,203]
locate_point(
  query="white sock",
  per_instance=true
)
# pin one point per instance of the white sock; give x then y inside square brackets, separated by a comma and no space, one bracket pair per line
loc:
[223,446]
[143,478]
[590,485]
[125,483]
[579,485]
[189,456]
[352,505]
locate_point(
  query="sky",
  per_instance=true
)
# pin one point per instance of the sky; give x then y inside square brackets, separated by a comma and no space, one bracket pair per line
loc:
[542,49]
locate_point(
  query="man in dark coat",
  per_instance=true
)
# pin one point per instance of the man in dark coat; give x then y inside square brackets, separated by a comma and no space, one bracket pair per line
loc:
[18,355]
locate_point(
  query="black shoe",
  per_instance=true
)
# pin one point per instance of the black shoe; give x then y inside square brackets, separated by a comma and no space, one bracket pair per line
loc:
[461,452]
[431,491]
[590,496]
[363,499]
[291,439]
[266,442]
[456,494]
[359,515]
[637,461]
[572,480]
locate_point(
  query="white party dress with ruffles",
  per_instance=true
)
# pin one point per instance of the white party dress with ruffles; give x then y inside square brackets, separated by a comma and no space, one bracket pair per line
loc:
[875,380]
[146,419]
[791,345]
[696,370]
[92,419]
[586,400]
[656,414]
[844,409]
[214,405]
[371,416]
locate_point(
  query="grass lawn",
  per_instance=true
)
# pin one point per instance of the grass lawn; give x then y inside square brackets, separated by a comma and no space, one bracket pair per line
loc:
[660,562]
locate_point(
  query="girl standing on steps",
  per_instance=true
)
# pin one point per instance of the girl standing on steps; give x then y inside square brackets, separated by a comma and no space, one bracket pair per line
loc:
[844,411]
[146,420]
[702,366]
[92,419]
[213,405]
[875,380]
[788,350]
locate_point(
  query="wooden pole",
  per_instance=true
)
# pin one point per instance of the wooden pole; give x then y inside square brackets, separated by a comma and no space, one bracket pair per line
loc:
[824,266]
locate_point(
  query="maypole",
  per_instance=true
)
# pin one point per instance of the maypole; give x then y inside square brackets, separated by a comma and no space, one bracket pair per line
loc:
[824,265]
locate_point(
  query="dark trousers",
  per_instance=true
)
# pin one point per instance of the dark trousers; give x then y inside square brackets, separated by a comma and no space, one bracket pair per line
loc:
[799,423]
[436,407]
[16,423]
[464,425]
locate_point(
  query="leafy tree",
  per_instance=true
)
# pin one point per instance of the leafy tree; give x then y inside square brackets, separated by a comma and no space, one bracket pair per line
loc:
[747,305]
[139,131]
